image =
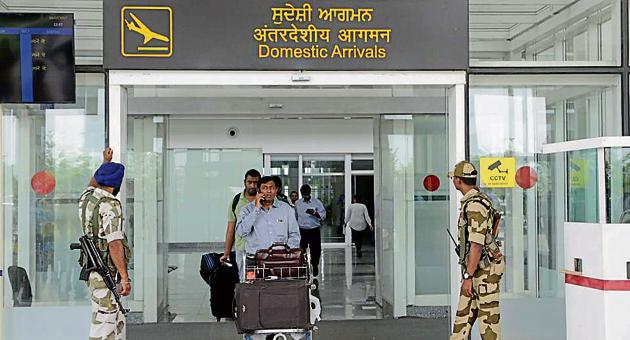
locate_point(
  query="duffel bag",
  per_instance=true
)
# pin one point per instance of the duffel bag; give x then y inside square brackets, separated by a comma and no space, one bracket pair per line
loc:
[272,304]
[282,261]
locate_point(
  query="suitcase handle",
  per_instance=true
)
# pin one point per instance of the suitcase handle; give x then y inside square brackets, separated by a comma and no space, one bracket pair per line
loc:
[278,246]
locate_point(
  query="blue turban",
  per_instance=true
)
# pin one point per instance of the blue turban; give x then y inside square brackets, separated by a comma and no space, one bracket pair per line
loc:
[110,175]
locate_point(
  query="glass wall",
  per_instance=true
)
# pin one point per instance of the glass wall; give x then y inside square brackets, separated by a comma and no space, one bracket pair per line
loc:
[197,197]
[513,116]
[48,157]
[582,205]
[145,214]
[617,185]
[545,33]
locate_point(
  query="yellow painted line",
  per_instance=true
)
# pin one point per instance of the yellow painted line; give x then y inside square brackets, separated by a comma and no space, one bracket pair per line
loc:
[140,48]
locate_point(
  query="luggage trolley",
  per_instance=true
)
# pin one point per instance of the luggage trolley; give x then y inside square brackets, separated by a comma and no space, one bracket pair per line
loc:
[253,273]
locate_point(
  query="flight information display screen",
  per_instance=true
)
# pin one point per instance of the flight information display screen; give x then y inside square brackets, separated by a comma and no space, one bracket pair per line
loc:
[37,58]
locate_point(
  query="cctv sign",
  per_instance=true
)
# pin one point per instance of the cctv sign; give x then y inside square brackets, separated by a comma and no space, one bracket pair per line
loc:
[498,172]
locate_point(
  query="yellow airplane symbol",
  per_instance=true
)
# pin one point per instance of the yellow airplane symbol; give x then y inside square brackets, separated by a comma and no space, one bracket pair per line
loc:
[139,27]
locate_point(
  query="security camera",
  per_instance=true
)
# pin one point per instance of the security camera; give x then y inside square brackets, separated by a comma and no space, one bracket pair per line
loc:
[232,132]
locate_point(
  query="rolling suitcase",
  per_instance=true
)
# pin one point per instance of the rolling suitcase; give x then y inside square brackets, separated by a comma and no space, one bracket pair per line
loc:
[222,280]
[272,304]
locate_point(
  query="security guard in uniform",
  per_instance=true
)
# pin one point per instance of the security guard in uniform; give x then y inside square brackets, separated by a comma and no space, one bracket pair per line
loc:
[100,213]
[480,258]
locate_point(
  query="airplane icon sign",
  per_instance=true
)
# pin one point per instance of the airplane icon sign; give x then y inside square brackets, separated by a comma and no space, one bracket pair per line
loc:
[139,27]
[154,19]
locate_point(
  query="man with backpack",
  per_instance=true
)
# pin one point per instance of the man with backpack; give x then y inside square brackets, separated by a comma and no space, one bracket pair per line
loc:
[480,258]
[252,176]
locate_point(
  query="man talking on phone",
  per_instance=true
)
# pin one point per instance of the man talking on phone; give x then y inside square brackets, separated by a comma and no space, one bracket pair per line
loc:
[310,213]
[267,220]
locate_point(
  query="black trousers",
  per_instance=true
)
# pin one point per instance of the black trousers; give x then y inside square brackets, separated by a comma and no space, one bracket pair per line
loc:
[312,238]
[357,238]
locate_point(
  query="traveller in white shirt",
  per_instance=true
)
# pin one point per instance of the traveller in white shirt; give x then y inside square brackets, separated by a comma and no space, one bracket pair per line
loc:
[358,219]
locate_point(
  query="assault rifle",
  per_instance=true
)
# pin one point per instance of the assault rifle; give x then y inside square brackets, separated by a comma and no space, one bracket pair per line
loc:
[454,242]
[95,263]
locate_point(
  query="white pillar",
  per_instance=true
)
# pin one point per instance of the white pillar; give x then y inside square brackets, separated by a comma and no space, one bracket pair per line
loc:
[378,240]
[118,124]
[118,135]
[457,152]
[347,202]
[404,155]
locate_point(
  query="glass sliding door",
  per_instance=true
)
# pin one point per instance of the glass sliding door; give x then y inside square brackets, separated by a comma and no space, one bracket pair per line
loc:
[413,213]
[326,176]
[287,168]
[48,157]
[431,209]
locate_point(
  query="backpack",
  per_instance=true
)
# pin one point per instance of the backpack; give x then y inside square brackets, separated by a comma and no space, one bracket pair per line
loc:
[491,251]
[235,200]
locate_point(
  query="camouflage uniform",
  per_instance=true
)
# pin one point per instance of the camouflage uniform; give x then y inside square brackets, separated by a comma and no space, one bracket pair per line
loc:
[107,321]
[484,304]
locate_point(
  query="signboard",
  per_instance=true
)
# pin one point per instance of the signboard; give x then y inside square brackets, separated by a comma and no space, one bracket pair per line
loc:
[578,175]
[138,40]
[37,54]
[498,172]
[286,35]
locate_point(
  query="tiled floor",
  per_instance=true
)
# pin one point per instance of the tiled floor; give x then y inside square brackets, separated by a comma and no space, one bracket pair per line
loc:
[347,292]
[388,329]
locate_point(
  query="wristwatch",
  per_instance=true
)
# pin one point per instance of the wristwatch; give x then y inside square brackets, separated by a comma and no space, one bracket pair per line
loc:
[467,276]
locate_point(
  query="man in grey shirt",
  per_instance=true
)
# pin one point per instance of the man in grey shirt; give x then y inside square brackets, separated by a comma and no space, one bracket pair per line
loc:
[310,213]
[267,220]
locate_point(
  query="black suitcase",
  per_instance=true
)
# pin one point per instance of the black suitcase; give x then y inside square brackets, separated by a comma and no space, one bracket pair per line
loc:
[272,304]
[222,280]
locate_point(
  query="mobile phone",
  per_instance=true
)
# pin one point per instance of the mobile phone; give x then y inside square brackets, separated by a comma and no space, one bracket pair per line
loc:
[262,200]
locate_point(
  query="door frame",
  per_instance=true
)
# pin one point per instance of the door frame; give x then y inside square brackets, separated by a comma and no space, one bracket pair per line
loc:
[455,81]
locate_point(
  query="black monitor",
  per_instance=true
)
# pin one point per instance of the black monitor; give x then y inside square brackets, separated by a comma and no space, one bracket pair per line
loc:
[37,58]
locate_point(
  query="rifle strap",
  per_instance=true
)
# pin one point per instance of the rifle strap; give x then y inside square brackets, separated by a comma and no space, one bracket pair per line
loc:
[463,231]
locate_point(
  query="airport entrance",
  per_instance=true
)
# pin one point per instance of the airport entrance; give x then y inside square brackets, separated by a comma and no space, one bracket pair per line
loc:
[386,137]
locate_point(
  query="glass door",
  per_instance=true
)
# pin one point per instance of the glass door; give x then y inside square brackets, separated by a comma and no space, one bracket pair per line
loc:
[326,176]
[287,168]
[413,212]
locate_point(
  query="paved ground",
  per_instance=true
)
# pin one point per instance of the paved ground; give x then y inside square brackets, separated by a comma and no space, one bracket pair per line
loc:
[407,328]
